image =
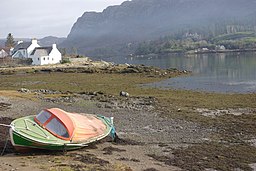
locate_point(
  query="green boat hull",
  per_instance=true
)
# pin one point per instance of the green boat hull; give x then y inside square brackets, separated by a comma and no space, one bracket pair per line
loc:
[26,134]
[21,142]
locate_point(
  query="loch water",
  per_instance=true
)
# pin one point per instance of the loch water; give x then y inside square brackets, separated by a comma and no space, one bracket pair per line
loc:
[214,72]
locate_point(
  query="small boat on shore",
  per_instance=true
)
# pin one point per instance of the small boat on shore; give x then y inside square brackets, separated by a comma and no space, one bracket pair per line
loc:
[56,129]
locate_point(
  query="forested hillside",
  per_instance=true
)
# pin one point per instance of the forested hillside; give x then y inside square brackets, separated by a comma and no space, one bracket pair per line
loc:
[167,25]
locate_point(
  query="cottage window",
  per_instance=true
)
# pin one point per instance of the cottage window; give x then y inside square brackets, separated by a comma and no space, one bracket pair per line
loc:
[44,59]
[52,58]
[38,59]
[48,58]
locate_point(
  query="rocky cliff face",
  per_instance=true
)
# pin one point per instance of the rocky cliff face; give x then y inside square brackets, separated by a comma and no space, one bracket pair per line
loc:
[139,20]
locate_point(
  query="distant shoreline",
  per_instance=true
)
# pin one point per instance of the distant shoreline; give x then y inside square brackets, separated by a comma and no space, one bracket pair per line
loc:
[222,51]
[195,53]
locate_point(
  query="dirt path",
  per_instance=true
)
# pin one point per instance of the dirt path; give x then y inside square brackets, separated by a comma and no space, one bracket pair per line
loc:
[141,129]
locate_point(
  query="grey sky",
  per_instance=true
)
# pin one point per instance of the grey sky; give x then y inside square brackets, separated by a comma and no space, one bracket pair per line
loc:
[40,18]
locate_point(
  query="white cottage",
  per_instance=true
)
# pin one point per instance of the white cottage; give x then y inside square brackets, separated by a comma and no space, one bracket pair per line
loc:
[3,53]
[46,55]
[24,49]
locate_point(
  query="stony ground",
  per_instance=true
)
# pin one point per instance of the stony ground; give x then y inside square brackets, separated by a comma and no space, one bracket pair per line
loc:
[141,131]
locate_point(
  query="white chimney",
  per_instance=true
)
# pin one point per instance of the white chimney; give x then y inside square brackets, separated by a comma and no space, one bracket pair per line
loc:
[54,46]
[34,41]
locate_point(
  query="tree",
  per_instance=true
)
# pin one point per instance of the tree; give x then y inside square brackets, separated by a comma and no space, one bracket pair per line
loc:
[9,41]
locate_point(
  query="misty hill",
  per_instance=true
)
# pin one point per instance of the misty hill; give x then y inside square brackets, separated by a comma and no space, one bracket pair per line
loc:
[46,41]
[142,20]
[49,40]
[2,42]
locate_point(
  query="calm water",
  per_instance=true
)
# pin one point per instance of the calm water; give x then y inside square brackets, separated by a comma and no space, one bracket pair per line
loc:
[226,73]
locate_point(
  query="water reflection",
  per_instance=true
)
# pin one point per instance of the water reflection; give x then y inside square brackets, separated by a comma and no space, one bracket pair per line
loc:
[223,72]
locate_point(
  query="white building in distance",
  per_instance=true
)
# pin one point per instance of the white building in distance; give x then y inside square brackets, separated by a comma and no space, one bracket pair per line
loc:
[39,55]
[24,49]
[46,55]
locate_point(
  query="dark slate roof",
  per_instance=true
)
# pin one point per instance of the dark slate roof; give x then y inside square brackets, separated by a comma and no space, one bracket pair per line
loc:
[23,45]
[42,51]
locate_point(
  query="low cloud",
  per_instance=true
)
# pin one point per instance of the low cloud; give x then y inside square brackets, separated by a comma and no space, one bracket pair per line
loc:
[36,18]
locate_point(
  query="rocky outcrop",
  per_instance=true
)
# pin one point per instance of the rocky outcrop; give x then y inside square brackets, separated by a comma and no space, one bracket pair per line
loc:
[139,20]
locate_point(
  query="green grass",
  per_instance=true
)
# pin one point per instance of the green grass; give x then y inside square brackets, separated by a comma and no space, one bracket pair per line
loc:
[75,82]
[250,40]
[235,36]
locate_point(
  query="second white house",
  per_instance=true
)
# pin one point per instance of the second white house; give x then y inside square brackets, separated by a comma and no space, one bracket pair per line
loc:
[46,55]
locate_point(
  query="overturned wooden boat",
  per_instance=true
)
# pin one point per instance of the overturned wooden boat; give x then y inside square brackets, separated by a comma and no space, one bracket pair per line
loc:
[56,129]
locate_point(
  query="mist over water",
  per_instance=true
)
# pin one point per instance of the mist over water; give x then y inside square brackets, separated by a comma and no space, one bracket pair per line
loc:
[225,72]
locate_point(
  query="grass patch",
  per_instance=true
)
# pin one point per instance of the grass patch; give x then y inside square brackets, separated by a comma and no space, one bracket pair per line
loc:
[60,168]
[76,82]
[235,36]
